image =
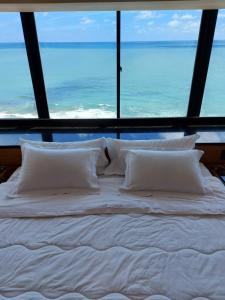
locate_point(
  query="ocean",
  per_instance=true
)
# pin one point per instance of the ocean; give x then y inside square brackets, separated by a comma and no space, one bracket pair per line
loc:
[80,79]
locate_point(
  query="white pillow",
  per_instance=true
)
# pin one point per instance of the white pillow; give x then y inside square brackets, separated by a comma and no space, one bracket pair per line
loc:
[44,168]
[100,143]
[170,171]
[114,146]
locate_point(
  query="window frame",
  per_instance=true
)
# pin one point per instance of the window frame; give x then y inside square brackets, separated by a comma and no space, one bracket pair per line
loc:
[190,122]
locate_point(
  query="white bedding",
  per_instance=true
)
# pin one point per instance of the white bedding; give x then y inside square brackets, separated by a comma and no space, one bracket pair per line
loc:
[113,245]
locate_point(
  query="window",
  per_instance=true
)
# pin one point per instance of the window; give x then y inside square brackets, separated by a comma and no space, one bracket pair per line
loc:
[214,96]
[157,55]
[16,91]
[78,53]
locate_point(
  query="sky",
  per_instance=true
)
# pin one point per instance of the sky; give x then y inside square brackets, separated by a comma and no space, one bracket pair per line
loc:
[101,26]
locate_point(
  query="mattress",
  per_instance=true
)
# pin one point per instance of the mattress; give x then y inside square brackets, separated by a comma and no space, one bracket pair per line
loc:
[112,245]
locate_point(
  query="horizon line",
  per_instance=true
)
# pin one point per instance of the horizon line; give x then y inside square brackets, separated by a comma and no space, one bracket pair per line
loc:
[83,42]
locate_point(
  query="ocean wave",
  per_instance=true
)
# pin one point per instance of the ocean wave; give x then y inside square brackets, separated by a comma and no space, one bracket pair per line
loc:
[11,115]
[80,113]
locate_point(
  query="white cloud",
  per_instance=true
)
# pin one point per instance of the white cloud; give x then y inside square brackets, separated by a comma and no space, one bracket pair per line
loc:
[221,15]
[191,26]
[150,23]
[185,22]
[186,17]
[174,23]
[145,15]
[86,21]
[45,14]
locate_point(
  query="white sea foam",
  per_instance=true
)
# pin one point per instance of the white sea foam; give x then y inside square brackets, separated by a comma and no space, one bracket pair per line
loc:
[80,113]
[7,115]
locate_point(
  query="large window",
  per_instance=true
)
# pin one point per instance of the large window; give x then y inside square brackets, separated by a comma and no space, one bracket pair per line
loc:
[150,65]
[78,53]
[158,53]
[16,91]
[214,95]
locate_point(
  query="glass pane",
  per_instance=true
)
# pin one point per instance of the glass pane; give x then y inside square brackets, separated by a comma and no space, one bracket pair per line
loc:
[214,96]
[71,137]
[78,51]
[212,137]
[151,135]
[16,91]
[10,139]
[157,54]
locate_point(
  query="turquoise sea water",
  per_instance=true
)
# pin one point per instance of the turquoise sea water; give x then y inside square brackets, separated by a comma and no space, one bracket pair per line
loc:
[81,79]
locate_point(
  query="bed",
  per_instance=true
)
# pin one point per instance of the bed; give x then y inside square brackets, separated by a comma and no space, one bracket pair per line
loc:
[112,244]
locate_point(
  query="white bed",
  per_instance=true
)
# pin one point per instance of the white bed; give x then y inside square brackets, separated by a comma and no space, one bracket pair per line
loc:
[112,245]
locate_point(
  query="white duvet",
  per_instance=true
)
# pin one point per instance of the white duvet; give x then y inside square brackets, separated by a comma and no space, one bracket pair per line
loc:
[113,245]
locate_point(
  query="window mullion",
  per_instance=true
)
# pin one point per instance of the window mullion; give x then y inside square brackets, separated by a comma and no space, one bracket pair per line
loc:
[118,60]
[202,59]
[34,59]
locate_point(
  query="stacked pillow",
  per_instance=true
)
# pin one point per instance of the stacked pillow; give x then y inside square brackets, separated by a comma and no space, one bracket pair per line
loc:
[118,156]
[100,144]
[61,165]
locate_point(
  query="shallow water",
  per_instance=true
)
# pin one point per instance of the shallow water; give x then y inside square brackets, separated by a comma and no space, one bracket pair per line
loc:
[80,80]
